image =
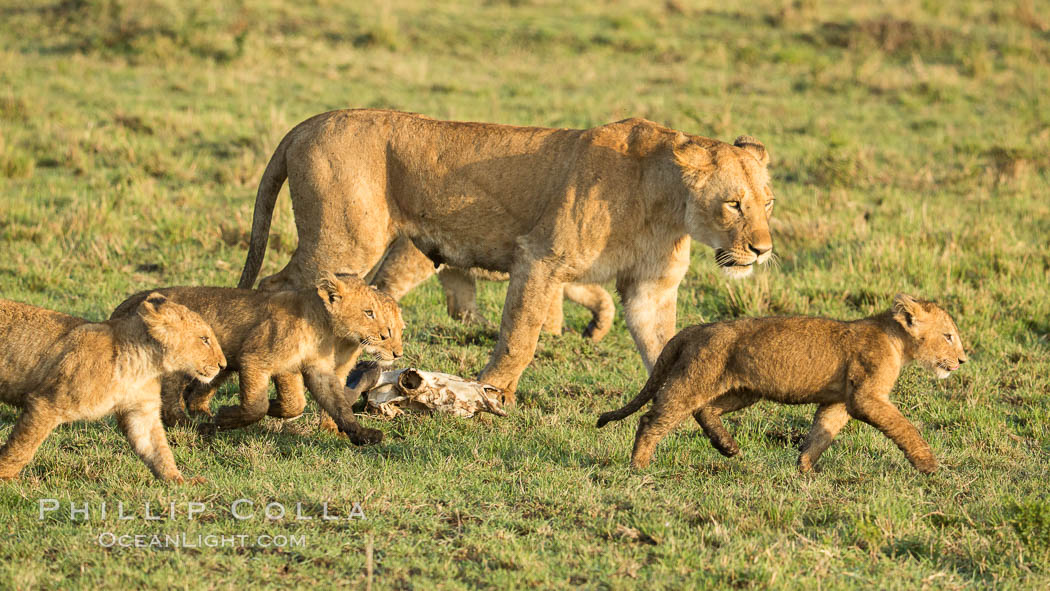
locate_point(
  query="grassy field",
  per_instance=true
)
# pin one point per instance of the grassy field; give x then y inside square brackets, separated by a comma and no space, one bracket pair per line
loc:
[910,149]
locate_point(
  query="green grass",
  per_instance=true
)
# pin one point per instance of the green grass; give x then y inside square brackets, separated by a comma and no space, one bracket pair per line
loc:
[910,150]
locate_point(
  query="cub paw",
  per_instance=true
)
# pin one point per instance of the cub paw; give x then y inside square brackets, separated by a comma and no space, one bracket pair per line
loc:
[364,436]
[926,466]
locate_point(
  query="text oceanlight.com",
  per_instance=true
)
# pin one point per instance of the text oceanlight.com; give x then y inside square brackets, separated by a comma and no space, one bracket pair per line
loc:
[183,540]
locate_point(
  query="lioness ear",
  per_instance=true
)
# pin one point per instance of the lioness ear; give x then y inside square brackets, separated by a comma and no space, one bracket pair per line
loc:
[753,147]
[692,157]
[906,310]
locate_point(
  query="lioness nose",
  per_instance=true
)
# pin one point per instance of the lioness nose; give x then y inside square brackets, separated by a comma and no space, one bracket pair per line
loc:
[962,360]
[760,249]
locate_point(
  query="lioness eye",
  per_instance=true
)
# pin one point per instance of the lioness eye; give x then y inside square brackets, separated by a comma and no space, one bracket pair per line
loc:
[206,340]
[769,204]
[734,204]
[370,314]
[948,337]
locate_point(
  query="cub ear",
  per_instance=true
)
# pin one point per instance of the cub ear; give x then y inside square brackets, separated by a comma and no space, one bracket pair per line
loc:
[753,147]
[153,302]
[907,310]
[153,311]
[329,289]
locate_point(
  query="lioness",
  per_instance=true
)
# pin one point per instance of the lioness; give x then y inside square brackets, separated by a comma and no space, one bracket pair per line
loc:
[404,267]
[313,334]
[58,368]
[547,206]
[846,368]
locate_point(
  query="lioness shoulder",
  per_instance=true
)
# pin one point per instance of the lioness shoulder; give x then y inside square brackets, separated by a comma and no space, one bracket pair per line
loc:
[847,368]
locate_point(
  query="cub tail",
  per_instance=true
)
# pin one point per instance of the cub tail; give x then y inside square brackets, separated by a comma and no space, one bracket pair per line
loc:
[656,379]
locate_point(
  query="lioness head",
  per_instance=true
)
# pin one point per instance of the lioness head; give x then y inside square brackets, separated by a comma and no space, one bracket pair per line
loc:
[188,342]
[356,312]
[729,200]
[936,338]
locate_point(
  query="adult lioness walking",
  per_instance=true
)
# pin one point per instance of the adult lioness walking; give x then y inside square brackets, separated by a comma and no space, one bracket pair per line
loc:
[547,206]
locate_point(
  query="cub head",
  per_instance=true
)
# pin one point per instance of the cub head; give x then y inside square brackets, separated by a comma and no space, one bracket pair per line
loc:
[357,313]
[387,344]
[729,201]
[935,338]
[188,343]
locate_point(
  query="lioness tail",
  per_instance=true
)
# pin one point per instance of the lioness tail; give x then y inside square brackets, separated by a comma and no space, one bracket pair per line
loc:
[265,200]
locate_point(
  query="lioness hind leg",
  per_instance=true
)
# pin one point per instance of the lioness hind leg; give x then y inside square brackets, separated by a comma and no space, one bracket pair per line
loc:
[461,295]
[35,424]
[599,302]
[145,432]
[402,269]
[709,418]
[291,396]
[827,422]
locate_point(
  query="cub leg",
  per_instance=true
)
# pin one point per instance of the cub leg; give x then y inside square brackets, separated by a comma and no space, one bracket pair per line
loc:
[672,404]
[402,269]
[37,421]
[345,362]
[328,390]
[291,396]
[173,387]
[145,432]
[709,418]
[593,297]
[880,413]
[532,287]
[254,400]
[827,422]
[460,295]
[198,395]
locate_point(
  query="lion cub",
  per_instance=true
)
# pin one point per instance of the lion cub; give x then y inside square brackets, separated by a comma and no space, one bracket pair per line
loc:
[58,368]
[846,368]
[309,337]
